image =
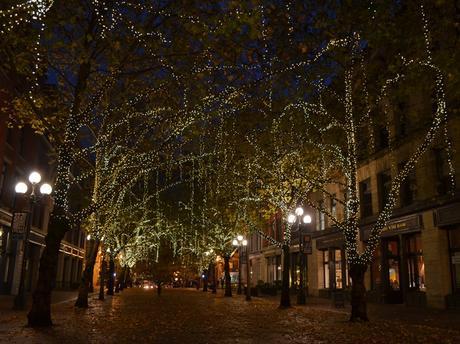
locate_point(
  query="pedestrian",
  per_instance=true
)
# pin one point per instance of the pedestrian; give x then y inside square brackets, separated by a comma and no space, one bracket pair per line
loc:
[222,283]
[159,288]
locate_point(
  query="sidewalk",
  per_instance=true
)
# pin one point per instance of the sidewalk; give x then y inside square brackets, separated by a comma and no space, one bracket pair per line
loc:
[440,318]
[7,301]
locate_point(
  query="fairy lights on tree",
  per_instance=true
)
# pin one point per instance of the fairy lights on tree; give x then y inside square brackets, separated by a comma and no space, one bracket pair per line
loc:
[150,100]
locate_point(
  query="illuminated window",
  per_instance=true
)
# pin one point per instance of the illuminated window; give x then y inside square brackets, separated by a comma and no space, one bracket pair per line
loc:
[415,263]
[338,269]
[334,272]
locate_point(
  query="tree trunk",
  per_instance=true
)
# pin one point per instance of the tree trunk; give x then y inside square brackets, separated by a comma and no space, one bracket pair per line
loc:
[126,277]
[214,279]
[205,280]
[87,275]
[358,293]
[228,281]
[285,298]
[102,279]
[111,277]
[91,277]
[122,278]
[40,313]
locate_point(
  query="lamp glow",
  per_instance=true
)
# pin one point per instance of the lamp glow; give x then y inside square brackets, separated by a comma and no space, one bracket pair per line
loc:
[245,242]
[35,177]
[235,242]
[46,189]
[307,219]
[20,188]
[299,211]
[291,218]
[239,237]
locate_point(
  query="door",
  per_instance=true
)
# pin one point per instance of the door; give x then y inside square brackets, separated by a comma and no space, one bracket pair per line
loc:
[393,290]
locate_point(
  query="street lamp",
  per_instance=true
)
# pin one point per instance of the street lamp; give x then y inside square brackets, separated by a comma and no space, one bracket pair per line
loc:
[238,242]
[297,218]
[22,188]
[248,276]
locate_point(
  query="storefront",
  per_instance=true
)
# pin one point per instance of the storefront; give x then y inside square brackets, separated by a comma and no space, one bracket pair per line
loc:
[397,272]
[448,218]
[333,272]
[274,272]
[296,257]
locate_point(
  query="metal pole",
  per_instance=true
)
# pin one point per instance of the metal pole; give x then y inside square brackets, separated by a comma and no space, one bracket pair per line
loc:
[248,276]
[20,300]
[301,294]
[238,291]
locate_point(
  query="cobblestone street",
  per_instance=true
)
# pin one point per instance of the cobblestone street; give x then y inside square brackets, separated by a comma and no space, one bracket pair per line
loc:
[191,316]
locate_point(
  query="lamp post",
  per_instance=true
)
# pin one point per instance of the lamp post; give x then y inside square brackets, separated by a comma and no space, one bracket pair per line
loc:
[248,276]
[238,242]
[297,218]
[33,197]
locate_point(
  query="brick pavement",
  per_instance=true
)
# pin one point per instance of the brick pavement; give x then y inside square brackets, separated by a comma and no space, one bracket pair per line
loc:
[441,318]
[7,301]
[191,316]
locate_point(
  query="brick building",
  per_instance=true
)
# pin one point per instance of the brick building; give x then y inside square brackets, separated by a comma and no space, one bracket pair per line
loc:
[418,259]
[22,151]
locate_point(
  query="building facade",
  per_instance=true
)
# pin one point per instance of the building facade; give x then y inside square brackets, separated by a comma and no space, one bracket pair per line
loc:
[22,151]
[418,259]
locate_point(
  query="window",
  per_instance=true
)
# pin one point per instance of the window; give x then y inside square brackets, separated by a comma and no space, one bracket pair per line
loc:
[338,269]
[321,218]
[333,269]
[333,205]
[408,191]
[384,185]
[392,246]
[365,196]
[382,137]
[278,268]
[274,268]
[415,263]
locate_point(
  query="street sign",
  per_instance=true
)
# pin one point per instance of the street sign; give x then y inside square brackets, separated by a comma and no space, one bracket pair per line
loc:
[19,222]
[307,243]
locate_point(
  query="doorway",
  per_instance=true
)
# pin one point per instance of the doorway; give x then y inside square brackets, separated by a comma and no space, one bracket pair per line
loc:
[392,270]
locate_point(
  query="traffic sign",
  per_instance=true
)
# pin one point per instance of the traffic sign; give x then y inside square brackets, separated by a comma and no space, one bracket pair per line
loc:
[19,222]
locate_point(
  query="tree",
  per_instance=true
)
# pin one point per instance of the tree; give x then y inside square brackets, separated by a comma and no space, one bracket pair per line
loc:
[338,123]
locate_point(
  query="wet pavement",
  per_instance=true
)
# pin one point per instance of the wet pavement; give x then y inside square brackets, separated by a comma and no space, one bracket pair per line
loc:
[191,316]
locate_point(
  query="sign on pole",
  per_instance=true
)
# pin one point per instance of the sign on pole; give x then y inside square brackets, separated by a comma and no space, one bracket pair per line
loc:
[19,223]
[307,244]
